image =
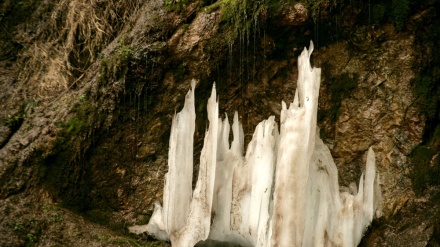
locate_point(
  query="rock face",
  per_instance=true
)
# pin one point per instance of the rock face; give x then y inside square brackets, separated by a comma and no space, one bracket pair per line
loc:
[85,121]
[389,119]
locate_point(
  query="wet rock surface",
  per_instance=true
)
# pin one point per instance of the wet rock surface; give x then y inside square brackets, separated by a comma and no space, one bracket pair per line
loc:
[379,112]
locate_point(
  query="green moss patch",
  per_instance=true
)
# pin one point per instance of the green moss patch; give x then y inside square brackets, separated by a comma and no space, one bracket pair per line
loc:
[115,66]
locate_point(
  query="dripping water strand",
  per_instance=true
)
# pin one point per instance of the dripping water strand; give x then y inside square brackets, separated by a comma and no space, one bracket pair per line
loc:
[147,109]
[230,59]
[254,71]
[241,70]
[369,12]
[136,121]
[317,28]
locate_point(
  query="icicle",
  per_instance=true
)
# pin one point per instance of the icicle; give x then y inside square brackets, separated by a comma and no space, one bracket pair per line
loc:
[178,180]
[199,218]
[221,205]
[225,217]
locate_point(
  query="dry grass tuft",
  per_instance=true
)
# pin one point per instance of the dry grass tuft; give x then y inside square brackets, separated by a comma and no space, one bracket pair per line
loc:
[78,30]
[86,26]
[44,73]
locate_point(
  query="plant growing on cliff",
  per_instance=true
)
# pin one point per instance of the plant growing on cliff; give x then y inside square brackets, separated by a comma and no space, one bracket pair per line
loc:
[241,16]
[28,231]
[115,67]
[74,32]
[176,5]
[14,121]
[89,23]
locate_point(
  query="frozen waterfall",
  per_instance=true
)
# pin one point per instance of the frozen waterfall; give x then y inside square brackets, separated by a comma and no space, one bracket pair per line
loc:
[283,191]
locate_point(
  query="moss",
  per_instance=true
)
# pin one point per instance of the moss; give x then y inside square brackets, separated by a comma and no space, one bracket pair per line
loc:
[212,7]
[176,5]
[14,122]
[238,17]
[29,230]
[73,126]
[61,164]
[77,124]
[116,66]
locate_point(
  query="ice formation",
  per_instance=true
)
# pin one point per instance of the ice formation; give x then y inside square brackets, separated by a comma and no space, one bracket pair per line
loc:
[283,191]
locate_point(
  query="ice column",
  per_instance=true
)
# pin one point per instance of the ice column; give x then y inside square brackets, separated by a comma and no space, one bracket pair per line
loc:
[178,180]
[227,159]
[199,218]
[243,185]
[296,144]
[261,154]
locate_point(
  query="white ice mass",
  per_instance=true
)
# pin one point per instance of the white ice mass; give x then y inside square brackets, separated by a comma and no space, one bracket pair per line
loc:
[283,192]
